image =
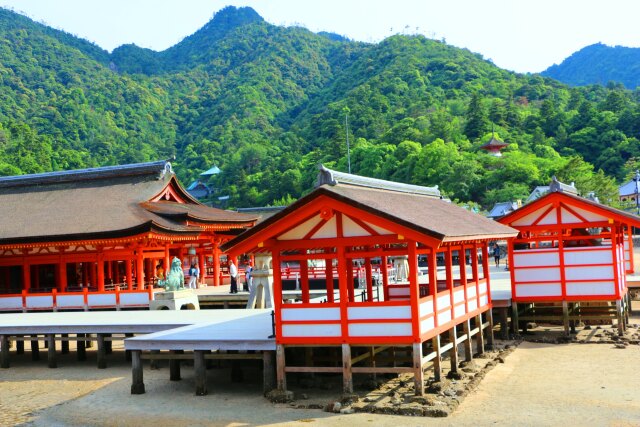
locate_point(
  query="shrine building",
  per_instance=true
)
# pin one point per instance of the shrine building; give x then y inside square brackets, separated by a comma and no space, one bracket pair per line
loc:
[570,259]
[399,267]
[93,238]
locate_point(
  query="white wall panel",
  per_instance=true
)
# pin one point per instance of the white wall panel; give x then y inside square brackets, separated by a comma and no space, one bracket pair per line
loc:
[535,274]
[396,312]
[134,299]
[535,259]
[591,288]
[101,300]
[484,300]
[444,317]
[539,290]
[380,329]
[458,295]
[68,301]
[42,301]
[427,325]
[473,304]
[583,272]
[426,307]
[328,313]
[11,303]
[459,311]
[444,301]
[581,257]
[311,330]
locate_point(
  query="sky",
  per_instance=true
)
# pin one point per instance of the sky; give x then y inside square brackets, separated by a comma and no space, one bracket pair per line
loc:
[523,36]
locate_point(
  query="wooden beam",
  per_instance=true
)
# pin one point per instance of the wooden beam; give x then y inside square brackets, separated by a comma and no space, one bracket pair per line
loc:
[453,356]
[437,371]
[200,372]
[4,352]
[347,375]
[468,351]
[102,352]
[418,373]
[51,353]
[280,367]
[174,366]
[268,371]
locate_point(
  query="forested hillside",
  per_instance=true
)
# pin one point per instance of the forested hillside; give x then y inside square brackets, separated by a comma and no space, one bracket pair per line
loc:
[599,64]
[266,104]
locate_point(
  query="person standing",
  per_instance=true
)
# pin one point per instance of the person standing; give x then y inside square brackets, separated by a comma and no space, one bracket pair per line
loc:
[193,276]
[247,277]
[233,272]
[496,254]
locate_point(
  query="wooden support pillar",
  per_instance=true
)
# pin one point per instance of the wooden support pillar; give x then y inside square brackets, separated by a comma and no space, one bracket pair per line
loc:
[515,328]
[468,350]
[281,377]
[437,360]
[108,344]
[102,353]
[4,352]
[20,346]
[347,375]
[418,373]
[80,347]
[490,331]
[479,335]
[174,366]
[453,356]
[35,348]
[64,344]
[200,372]
[137,382]
[620,317]
[154,363]
[268,371]
[504,329]
[51,353]
[127,353]
[565,317]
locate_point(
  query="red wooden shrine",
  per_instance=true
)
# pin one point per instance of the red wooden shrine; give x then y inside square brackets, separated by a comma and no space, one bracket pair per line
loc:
[352,233]
[92,238]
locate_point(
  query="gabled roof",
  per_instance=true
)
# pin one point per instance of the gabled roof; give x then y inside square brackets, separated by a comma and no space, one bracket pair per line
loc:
[426,215]
[100,203]
[580,211]
[502,208]
[493,144]
[630,188]
[213,171]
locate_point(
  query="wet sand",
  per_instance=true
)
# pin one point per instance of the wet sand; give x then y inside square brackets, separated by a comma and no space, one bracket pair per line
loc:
[539,384]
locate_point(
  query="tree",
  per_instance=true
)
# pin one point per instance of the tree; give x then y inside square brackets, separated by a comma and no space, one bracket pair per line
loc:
[477,121]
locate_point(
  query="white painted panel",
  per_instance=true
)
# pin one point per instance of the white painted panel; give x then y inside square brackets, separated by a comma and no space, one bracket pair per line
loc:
[581,257]
[591,288]
[67,301]
[530,219]
[459,310]
[426,308]
[550,218]
[535,274]
[427,325]
[626,242]
[473,304]
[568,218]
[311,330]
[444,301]
[134,299]
[534,259]
[589,216]
[101,300]
[328,313]
[471,291]
[300,231]
[328,230]
[351,229]
[397,292]
[539,290]
[380,329]
[11,303]
[42,301]
[396,312]
[582,272]
[484,300]
[444,317]
[458,295]
[482,288]
[627,265]
[379,230]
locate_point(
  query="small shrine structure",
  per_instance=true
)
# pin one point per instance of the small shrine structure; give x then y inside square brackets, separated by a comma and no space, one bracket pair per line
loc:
[352,236]
[92,238]
[494,147]
[571,252]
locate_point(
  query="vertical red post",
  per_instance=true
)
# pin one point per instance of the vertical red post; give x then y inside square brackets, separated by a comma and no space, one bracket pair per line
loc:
[385,277]
[216,264]
[368,278]
[140,269]
[129,274]
[203,267]
[277,290]
[26,276]
[433,283]
[167,261]
[329,277]
[449,272]
[344,283]
[462,259]
[304,280]
[414,292]
[100,268]
[62,275]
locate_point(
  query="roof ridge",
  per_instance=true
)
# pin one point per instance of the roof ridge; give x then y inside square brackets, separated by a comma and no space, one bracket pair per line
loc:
[331,177]
[159,168]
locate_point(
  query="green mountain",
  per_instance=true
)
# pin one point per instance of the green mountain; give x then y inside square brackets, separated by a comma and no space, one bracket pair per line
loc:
[599,64]
[266,104]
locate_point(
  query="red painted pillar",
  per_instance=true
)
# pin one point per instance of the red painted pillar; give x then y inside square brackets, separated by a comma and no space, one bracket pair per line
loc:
[129,274]
[167,261]
[433,283]
[61,269]
[414,292]
[277,290]
[368,278]
[328,267]
[26,276]
[100,275]
[110,271]
[202,266]
[216,265]
[304,280]
[140,270]
[385,277]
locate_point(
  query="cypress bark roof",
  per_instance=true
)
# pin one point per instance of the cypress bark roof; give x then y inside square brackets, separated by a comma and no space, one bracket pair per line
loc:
[100,203]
